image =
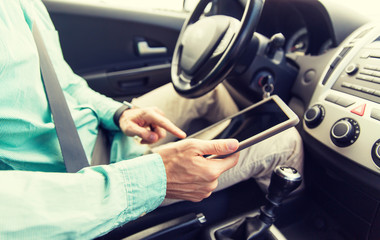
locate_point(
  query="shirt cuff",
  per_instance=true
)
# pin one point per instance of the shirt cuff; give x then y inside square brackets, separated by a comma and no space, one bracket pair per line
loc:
[145,184]
[107,118]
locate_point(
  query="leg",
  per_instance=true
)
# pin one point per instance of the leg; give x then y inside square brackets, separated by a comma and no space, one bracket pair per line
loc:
[259,161]
[182,111]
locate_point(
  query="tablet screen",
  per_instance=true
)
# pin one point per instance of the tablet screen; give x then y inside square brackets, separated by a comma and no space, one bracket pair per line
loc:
[254,121]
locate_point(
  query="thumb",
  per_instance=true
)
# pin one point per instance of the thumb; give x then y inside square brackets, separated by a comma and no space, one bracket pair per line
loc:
[224,164]
[219,147]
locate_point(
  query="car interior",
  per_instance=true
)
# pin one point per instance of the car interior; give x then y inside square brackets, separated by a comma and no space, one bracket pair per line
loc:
[320,57]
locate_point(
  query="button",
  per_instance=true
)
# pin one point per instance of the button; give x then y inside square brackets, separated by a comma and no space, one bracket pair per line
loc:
[332,98]
[344,102]
[370,67]
[367,72]
[352,69]
[367,90]
[356,87]
[375,114]
[359,110]
[377,93]
[347,85]
[376,74]
[364,78]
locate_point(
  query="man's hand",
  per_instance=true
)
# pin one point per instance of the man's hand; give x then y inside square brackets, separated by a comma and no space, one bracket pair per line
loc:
[148,123]
[191,176]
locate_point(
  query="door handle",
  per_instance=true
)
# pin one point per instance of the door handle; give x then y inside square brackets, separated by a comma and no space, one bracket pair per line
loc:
[144,49]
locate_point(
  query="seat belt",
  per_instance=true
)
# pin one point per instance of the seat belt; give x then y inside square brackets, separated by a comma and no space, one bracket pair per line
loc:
[71,147]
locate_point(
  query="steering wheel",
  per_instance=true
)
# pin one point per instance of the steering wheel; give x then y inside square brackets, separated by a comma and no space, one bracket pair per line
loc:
[208,47]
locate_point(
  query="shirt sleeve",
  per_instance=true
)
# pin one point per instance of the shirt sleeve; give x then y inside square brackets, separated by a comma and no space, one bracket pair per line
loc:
[75,87]
[83,205]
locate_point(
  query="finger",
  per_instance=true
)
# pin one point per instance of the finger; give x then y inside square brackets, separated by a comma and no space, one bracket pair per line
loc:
[219,147]
[166,124]
[160,131]
[145,134]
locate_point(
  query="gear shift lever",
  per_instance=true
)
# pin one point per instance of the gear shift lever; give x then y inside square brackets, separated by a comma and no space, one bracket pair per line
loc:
[284,180]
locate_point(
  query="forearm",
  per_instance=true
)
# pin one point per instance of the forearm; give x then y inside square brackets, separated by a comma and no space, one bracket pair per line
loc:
[81,205]
[103,106]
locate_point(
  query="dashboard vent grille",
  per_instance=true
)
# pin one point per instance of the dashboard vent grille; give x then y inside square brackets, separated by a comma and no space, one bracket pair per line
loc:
[335,63]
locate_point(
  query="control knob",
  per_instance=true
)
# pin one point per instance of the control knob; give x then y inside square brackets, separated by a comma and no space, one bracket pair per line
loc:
[314,115]
[376,152]
[352,69]
[345,132]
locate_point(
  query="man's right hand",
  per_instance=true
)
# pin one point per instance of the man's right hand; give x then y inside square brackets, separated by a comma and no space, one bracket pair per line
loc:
[191,176]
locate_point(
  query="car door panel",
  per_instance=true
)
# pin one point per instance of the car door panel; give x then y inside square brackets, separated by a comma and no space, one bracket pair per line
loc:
[121,52]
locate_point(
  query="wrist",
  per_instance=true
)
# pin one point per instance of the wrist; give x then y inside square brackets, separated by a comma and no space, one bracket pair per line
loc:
[119,112]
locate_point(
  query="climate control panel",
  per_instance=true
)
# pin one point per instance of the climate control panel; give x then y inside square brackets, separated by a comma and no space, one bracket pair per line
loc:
[344,112]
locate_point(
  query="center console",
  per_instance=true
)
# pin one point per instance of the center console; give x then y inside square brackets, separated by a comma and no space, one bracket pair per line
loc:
[344,113]
[342,129]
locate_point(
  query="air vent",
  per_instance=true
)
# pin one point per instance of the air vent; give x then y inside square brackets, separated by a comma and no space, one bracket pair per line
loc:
[335,63]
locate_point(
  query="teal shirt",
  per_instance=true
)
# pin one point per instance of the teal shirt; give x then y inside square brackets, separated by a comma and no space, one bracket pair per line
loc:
[59,205]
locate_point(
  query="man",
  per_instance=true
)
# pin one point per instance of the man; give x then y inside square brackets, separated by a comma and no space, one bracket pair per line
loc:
[41,201]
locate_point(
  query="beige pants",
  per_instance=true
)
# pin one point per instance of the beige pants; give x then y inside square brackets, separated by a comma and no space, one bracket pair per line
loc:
[257,161]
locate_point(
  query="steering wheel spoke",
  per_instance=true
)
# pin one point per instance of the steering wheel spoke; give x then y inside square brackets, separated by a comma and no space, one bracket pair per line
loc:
[208,48]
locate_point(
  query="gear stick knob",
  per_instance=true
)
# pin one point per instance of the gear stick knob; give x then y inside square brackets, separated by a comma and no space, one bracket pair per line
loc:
[284,180]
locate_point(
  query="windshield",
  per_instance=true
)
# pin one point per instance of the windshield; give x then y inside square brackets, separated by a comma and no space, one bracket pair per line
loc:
[368,8]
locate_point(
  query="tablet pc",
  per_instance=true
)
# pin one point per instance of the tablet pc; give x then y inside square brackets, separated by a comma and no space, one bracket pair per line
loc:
[253,124]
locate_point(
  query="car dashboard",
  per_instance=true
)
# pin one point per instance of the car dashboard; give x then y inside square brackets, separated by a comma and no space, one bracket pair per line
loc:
[338,79]
[336,92]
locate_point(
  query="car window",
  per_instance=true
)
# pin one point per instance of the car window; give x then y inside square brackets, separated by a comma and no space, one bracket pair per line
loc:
[172,5]
[365,7]
[369,8]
